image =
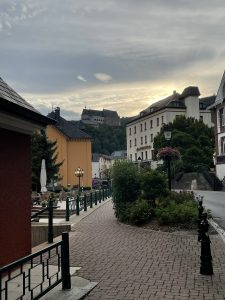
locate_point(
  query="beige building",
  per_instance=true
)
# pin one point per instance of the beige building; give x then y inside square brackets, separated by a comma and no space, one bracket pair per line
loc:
[141,130]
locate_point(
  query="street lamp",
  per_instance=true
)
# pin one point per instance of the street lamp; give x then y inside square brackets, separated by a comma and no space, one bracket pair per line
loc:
[79,173]
[167,135]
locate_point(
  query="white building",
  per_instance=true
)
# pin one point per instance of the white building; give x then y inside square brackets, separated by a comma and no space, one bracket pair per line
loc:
[142,130]
[218,113]
[101,164]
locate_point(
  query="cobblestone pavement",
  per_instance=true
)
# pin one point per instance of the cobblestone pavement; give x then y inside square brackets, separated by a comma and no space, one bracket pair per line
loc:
[134,263]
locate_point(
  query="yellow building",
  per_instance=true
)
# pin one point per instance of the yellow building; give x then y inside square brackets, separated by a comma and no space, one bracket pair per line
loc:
[74,149]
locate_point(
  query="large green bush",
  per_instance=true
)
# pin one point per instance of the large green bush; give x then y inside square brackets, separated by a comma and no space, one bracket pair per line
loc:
[126,185]
[153,184]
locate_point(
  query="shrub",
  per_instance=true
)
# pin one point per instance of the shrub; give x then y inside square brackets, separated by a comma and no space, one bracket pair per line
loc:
[139,212]
[126,185]
[153,184]
[177,208]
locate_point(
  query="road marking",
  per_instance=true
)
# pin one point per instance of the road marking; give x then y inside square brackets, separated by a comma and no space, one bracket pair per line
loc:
[218,229]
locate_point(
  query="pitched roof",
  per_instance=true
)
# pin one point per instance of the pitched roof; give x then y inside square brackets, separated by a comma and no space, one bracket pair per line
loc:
[190,91]
[68,128]
[110,113]
[207,101]
[92,112]
[12,102]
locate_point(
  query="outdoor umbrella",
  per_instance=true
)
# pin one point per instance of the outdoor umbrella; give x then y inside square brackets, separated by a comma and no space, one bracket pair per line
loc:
[43,177]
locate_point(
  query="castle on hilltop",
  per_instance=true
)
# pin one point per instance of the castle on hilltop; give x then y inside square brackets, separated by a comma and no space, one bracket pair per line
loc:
[95,117]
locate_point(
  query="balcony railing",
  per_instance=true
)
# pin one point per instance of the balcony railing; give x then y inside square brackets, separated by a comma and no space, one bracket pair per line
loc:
[34,275]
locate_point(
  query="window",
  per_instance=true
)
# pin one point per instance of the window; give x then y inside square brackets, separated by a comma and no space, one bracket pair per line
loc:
[221,117]
[162,118]
[141,126]
[145,126]
[130,157]
[201,118]
[151,137]
[151,124]
[142,140]
[222,145]
[134,129]
[152,152]
[157,121]
[135,142]
[135,156]
[142,155]
[146,139]
[130,131]
[130,143]
[146,155]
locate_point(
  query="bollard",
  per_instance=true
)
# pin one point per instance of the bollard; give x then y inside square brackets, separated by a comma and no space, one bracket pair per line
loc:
[77,206]
[100,196]
[206,257]
[200,212]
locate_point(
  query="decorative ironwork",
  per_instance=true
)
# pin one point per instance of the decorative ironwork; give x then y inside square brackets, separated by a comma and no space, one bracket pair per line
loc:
[33,276]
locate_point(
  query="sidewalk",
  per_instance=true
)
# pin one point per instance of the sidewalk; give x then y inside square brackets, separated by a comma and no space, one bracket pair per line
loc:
[134,263]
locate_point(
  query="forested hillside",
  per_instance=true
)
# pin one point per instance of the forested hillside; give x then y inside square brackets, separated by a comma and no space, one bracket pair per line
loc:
[107,139]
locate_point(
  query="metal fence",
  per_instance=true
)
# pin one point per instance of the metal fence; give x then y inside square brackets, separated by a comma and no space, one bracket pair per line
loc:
[83,201]
[33,276]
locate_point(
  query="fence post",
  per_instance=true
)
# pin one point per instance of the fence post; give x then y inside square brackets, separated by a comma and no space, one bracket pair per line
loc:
[100,196]
[103,194]
[50,221]
[91,200]
[65,262]
[77,206]
[67,209]
[85,202]
[96,201]
[200,212]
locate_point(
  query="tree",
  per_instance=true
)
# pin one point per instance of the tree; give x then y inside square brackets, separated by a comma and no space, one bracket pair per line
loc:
[193,139]
[43,148]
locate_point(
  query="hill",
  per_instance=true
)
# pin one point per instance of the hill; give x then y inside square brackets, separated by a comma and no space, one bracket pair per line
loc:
[106,139]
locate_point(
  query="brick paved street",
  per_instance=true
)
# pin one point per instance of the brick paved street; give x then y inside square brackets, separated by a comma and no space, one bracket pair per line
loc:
[134,263]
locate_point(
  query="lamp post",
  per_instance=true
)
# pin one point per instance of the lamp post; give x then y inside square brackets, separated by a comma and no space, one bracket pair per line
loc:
[167,135]
[79,173]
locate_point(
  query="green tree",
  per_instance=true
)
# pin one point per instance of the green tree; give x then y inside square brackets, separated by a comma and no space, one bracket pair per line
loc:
[106,139]
[193,139]
[43,148]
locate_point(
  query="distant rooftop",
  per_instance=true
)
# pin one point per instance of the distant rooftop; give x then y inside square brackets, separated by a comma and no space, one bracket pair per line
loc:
[68,128]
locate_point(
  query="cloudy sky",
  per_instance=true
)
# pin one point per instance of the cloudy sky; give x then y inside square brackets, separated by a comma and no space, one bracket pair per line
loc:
[114,54]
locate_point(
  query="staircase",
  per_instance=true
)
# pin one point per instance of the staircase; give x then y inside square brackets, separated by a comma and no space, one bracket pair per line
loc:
[57,213]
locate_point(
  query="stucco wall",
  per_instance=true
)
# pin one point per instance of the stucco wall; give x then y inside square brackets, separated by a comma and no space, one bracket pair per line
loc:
[74,154]
[15,196]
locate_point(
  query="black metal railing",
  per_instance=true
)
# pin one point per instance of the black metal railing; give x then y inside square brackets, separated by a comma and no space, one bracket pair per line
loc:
[49,208]
[85,201]
[34,275]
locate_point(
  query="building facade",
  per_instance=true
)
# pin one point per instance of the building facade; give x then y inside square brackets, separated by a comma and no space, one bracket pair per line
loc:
[141,130]
[18,121]
[218,113]
[74,150]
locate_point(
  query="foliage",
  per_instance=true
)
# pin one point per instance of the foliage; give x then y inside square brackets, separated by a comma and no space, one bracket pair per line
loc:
[153,184]
[177,208]
[126,185]
[139,212]
[106,139]
[193,139]
[44,148]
